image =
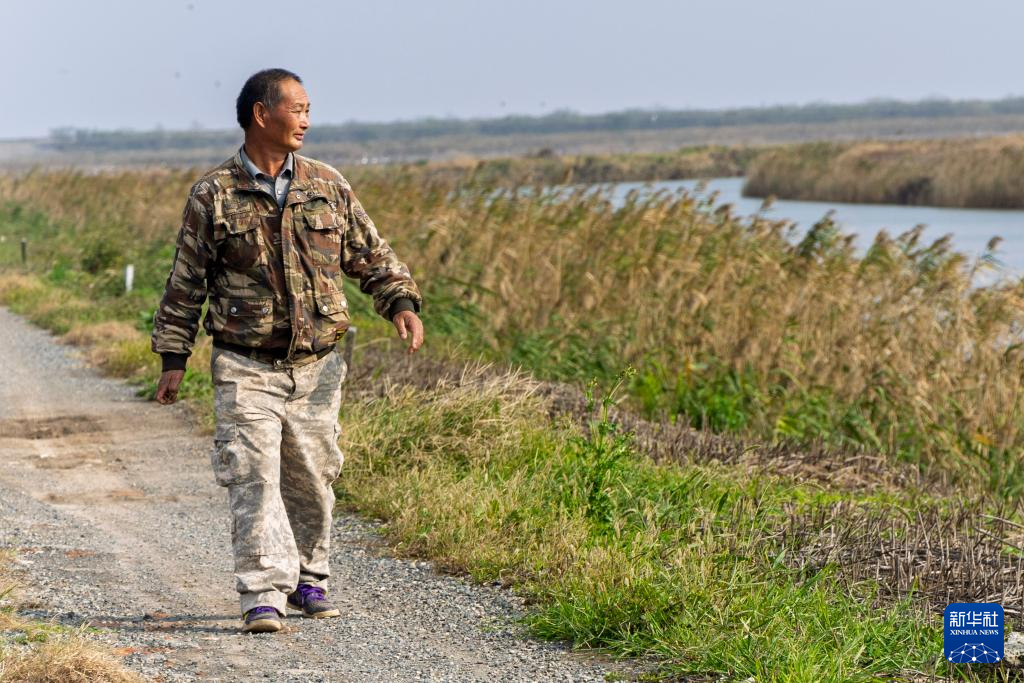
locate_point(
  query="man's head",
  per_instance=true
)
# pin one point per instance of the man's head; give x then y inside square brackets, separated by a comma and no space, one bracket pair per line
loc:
[273,110]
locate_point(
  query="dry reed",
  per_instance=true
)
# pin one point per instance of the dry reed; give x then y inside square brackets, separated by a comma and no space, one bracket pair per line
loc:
[980,173]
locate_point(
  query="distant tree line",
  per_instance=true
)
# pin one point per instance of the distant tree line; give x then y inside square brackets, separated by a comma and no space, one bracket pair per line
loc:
[69,139]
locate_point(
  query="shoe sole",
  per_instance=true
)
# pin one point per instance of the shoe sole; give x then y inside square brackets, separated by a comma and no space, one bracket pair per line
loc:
[262,626]
[319,615]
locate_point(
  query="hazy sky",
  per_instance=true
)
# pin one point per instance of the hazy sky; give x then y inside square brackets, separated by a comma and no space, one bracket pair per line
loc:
[146,63]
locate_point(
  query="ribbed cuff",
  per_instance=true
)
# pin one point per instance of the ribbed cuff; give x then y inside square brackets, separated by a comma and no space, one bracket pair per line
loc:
[401,304]
[173,361]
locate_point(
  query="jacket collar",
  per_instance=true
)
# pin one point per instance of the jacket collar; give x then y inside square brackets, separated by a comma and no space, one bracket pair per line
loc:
[300,174]
[289,165]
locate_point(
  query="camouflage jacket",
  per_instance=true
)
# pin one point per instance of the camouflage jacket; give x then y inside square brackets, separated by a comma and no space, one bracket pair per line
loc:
[274,277]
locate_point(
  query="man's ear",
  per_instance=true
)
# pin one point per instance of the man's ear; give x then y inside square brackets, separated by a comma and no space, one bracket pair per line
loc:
[259,114]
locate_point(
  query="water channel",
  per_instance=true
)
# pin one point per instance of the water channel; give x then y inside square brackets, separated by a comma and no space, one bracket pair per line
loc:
[971,228]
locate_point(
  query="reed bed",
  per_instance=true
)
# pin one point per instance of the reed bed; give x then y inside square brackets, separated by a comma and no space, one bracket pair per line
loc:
[546,167]
[735,325]
[976,173]
[931,555]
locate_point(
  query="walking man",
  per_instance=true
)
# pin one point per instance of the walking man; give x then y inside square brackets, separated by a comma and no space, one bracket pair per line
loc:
[268,237]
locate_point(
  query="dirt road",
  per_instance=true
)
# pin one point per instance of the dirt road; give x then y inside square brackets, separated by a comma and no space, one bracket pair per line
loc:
[112,508]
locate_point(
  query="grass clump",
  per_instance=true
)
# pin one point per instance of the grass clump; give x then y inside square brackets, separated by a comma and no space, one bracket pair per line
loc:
[64,660]
[35,652]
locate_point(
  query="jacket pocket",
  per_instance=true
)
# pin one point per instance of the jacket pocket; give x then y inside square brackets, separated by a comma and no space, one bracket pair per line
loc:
[332,305]
[324,229]
[247,321]
[241,247]
[331,320]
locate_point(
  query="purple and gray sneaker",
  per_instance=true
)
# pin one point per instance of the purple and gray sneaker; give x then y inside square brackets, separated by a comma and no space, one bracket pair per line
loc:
[262,619]
[312,602]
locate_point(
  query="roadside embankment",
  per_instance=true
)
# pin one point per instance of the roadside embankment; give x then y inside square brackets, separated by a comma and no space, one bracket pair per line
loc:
[969,173]
[699,565]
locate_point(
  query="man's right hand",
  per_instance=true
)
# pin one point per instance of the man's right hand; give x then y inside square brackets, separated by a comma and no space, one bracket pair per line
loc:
[167,389]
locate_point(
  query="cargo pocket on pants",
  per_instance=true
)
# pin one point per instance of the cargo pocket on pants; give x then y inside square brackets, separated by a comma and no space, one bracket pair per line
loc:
[223,459]
[336,459]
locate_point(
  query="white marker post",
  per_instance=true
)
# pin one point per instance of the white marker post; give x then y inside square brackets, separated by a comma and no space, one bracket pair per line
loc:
[129,277]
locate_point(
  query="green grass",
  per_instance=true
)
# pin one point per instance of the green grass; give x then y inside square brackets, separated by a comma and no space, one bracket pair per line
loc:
[618,553]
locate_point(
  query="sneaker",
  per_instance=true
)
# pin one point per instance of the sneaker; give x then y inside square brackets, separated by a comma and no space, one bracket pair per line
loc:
[262,620]
[311,601]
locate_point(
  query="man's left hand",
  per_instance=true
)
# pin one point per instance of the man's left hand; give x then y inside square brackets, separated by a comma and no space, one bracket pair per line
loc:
[407,322]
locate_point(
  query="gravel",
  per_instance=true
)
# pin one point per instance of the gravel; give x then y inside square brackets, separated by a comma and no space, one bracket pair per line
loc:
[118,524]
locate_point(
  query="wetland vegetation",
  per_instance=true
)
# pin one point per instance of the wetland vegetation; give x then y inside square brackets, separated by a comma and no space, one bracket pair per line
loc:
[707,502]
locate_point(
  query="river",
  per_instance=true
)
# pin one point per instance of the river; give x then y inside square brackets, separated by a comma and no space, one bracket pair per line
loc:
[971,228]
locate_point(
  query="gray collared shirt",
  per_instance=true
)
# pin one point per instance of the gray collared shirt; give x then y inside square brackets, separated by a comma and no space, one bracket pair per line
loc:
[275,187]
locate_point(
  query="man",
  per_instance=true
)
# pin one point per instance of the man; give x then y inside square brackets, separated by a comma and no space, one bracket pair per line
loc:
[268,236]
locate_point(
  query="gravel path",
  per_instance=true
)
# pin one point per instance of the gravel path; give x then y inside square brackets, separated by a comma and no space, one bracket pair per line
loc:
[111,506]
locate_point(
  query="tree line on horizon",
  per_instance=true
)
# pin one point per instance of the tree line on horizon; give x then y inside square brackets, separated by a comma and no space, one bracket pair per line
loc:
[562,121]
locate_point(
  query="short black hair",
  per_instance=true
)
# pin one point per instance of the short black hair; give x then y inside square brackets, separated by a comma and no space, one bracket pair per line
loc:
[262,86]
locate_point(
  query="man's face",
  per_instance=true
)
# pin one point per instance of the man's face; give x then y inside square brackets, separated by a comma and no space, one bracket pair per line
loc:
[284,126]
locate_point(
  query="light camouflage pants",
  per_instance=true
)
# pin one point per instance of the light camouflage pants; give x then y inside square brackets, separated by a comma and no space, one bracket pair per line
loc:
[276,451]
